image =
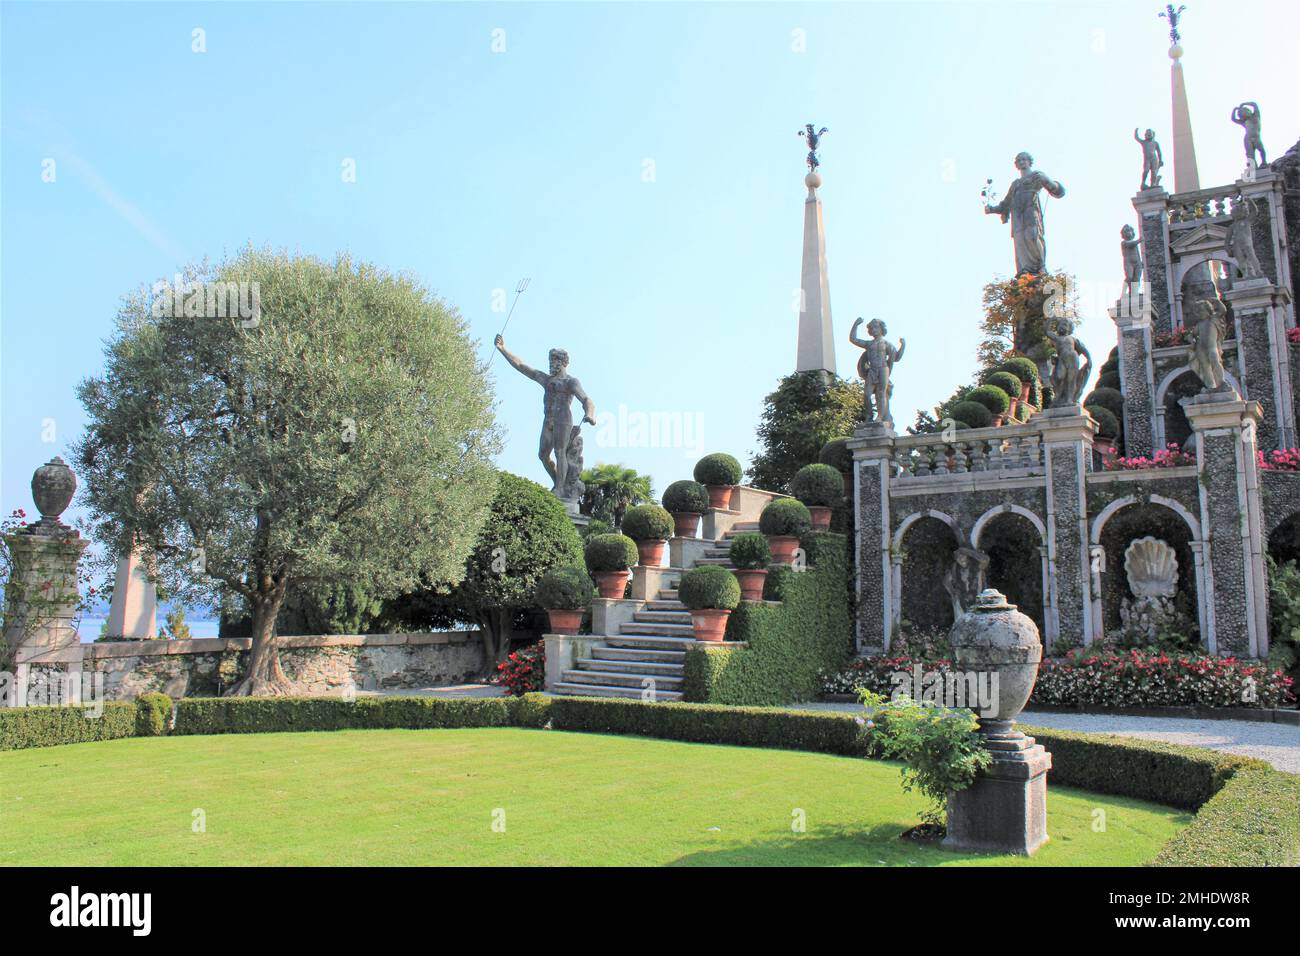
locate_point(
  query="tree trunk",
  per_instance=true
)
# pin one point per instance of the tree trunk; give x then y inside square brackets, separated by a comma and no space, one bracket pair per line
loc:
[264,677]
[494,627]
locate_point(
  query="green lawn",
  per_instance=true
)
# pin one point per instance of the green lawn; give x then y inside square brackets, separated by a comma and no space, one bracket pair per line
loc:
[429,797]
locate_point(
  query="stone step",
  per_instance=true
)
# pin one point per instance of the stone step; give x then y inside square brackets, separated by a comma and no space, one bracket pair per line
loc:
[674,616]
[637,654]
[620,679]
[595,690]
[664,606]
[717,552]
[650,643]
[636,629]
[667,594]
[722,562]
[657,668]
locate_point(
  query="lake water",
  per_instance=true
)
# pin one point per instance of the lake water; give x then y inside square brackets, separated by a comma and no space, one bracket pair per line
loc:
[89,629]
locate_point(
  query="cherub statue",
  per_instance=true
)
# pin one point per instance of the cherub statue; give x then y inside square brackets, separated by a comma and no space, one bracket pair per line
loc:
[1152,160]
[1247,116]
[813,139]
[875,366]
[1241,241]
[1072,365]
[1131,249]
[1207,337]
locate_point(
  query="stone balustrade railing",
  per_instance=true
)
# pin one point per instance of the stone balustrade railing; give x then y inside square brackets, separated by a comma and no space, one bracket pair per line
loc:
[1188,208]
[971,451]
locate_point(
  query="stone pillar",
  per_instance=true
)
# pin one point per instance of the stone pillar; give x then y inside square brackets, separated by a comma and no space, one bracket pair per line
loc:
[133,612]
[1132,314]
[1236,610]
[1264,357]
[873,451]
[1068,435]
[1152,206]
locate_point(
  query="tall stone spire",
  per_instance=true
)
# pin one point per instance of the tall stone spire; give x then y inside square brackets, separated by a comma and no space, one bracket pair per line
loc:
[1186,178]
[816,351]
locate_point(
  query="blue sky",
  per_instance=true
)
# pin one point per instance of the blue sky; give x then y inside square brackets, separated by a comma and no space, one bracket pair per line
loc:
[673,291]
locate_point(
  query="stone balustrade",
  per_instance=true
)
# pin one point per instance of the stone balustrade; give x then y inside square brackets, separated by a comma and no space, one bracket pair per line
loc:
[1004,448]
[1190,208]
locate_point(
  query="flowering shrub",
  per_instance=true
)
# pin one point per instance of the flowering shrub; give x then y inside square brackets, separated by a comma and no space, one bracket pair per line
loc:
[874,674]
[1178,336]
[1155,679]
[1293,336]
[523,671]
[1172,457]
[1283,459]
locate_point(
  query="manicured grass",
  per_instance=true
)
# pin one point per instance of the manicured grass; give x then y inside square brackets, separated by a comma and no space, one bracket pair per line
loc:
[429,797]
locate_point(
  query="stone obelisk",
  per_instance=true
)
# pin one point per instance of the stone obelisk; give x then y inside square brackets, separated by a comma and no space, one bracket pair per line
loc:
[816,351]
[1186,178]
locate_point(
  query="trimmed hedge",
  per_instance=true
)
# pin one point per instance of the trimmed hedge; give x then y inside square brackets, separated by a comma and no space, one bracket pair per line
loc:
[1109,399]
[153,712]
[1107,423]
[837,454]
[991,397]
[1006,381]
[256,715]
[648,523]
[971,413]
[24,727]
[1252,821]
[718,469]
[1022,367]
[686,496]
[818,485]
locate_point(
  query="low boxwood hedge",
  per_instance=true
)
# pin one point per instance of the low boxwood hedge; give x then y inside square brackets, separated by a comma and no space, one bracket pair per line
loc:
[254,715]
[25,727]
[1251,821]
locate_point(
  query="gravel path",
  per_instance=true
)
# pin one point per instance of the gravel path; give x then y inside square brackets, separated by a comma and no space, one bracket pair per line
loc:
[1279,744]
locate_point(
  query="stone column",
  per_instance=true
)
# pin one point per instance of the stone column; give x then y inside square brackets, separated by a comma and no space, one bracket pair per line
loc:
[1068,434]
[873,451]
[1264,357]
[133,611]
[1132,314]
[1152,206]
[1236,610]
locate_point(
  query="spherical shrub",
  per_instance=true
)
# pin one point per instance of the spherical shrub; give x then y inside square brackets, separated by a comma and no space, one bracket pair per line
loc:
[1005,381]
[718,469]
[991,397]
[749,551]
[1109,399]
[1107,423]
[836,453]
[686,496]
[610,552]
[785,517]
[709,586]
[971,413]
[566,588]
[647,523]
[777,582]
[1021,367]
[818,485]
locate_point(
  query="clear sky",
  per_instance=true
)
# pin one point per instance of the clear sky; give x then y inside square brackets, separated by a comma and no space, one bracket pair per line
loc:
[637,161]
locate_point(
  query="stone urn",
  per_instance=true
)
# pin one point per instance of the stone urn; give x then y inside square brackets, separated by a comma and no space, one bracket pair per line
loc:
[995,638]
[53,486]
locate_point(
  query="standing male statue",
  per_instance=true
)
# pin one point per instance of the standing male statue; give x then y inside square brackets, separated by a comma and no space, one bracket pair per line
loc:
[1247,117]
[1241,241]
[875,366]
[1211,317]
[1022,206]
[1152,160]
[559,433]
[1130,248]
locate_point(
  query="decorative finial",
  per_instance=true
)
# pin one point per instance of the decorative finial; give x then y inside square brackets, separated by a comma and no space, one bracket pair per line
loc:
[1173,16]
[813,138]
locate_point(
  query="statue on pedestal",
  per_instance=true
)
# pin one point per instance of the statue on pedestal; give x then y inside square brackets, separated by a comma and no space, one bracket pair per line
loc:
[1072,364]
[875,366]
[1207,335]
[1241,241]
[1152,159]
[1022,206]
[1130,247]
[1247,116]
[560,436]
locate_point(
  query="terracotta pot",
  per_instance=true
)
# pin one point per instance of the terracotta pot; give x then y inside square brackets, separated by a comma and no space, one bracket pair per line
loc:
[1011,409]
[1026,390]
[720,497]
[751,583]
[997,420]
[564,620]
[686,524]
[783,547]
[821,517]
[612,584]
[652,553]
[710,623]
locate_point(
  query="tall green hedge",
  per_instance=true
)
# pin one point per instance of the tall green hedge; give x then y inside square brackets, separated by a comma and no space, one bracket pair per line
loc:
[787,645]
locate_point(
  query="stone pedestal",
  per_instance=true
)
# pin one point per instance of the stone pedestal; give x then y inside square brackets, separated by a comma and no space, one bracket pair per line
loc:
[133,612]
[1259,309]
[872,446]
[1068,435]
[1005,810]
[1132,315]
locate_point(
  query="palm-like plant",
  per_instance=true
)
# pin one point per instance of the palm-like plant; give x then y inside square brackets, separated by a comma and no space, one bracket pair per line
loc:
[611,490]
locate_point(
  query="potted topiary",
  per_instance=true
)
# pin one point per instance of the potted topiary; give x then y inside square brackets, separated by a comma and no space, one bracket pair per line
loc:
[1108,428]
[783,521]
[565,592]
[819,487]
[1009,384]
[750,555]
[650,527]
[971,414]
[719,473]
[839,456]
[687,501]
[609,556]
[1025,369]
[992,398]
[711,593]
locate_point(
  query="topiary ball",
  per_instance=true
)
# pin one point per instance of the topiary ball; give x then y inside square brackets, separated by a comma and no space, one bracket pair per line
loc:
[686,496]
[836,453]
[972,414]
[1005,381]
[1107,423]
[1109,399]
[709,586]
[647,523]
[818,485]
[749,551]
[1022,367]
[785,517]
[718,469]
[566,588]
[991,397]
[610,552]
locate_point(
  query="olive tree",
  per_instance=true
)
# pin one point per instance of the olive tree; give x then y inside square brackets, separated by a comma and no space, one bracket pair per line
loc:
[338,432]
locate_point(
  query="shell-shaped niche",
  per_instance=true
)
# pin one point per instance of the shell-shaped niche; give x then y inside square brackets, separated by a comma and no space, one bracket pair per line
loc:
[1152,568]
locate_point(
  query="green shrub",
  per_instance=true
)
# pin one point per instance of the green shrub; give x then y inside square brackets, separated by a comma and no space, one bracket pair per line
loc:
[991,397]
[709,586]
[251,715]
[785,517]
[1251,821]
[718,469]
[972,414]
[532,710]
[776,582]
[153,712]
[25,727]
[1005,381]
[1109,380]
[837,454]
[1021,367]
[818,485]
[648,523]
[749,551]
[567,588]
[1109,399]
[686,496]
[610,552]
[1107,423]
